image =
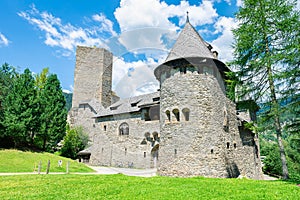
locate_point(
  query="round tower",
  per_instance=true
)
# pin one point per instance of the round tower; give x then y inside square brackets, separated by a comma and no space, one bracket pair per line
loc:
[193,109]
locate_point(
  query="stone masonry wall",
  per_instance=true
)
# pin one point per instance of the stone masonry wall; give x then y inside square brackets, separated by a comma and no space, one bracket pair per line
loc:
[111,149]
[199,146]
[93,74]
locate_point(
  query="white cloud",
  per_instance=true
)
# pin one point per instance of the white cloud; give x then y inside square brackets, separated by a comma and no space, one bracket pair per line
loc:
[3,40]
[223,43]
[134,78]
[239,3]
[65,35]
[107,25]
[135,17]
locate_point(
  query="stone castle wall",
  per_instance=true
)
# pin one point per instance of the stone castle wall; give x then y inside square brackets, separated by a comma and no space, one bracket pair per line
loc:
[93,75]
[112,149]
[199,146]
[109,148]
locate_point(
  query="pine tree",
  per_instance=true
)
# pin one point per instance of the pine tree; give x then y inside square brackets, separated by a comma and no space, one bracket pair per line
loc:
[8,75]
[266,55]
[20,113]
[53,113]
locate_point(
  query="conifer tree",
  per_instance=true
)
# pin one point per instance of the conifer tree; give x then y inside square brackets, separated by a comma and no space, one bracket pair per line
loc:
[20,114]
[267,57]
[8,75]
[53,113]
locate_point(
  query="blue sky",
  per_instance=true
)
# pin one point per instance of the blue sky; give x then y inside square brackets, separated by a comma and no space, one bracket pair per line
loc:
[44,33]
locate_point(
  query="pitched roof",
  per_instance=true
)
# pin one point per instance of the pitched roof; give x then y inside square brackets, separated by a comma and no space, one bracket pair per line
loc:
[189,44]
[129,105]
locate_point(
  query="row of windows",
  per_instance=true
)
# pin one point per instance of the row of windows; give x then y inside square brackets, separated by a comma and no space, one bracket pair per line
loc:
[153,139]
[176,114]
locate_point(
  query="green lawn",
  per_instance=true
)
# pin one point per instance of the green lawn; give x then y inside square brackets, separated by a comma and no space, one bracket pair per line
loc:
[25,161]
[125,187]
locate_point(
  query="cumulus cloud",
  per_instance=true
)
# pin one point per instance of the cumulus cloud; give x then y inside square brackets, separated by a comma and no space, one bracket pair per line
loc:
[135,17]
[223,43]
[134,78]
[3,40]
[66,36]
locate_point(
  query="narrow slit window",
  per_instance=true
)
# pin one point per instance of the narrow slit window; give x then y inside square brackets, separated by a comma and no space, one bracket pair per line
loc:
[227,145]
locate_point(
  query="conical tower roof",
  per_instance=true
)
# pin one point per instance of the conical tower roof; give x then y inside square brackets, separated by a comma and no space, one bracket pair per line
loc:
[189,44]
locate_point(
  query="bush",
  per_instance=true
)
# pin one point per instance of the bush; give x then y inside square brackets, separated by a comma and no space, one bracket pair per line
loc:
[74,141]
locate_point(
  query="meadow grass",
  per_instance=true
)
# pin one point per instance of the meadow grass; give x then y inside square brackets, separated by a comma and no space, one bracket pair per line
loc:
[26,161]
[70,186]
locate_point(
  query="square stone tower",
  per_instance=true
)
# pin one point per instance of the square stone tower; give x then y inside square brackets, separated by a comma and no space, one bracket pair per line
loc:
[93,76]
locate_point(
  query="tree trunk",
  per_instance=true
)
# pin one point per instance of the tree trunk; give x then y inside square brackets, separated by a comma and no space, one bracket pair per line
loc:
[44,144]
[275,105]
[275,109]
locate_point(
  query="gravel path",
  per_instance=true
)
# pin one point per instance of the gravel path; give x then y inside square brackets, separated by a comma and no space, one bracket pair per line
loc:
[114,170]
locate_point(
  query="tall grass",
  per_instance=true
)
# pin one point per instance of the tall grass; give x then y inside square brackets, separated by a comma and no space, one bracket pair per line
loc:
[25,161]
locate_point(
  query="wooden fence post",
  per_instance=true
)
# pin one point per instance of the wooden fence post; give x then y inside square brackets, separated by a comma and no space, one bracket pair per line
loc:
[39,167]
[48,167]
[68,165]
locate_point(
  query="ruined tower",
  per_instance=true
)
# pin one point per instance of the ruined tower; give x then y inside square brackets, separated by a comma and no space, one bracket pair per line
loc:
[198,124]
[93,76]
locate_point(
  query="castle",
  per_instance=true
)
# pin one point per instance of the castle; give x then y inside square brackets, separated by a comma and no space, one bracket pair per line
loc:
[188,128]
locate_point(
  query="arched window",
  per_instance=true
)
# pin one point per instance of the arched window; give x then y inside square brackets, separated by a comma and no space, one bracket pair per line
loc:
[155,136]
[176,114]
[124,129]
[147,137]
[186,114]
[168,115]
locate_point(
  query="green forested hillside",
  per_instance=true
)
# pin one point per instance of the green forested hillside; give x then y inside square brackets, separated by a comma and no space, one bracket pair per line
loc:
[68,97]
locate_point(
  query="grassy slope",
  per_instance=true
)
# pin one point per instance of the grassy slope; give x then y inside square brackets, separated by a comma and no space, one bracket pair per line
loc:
[126,187]
[20,161]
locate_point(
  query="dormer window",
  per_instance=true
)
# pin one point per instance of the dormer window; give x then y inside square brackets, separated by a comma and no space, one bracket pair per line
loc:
[134,104]
[114,107]
[156,99]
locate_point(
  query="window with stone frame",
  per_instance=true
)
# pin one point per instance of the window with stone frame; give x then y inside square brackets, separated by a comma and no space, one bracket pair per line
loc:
[124,129]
